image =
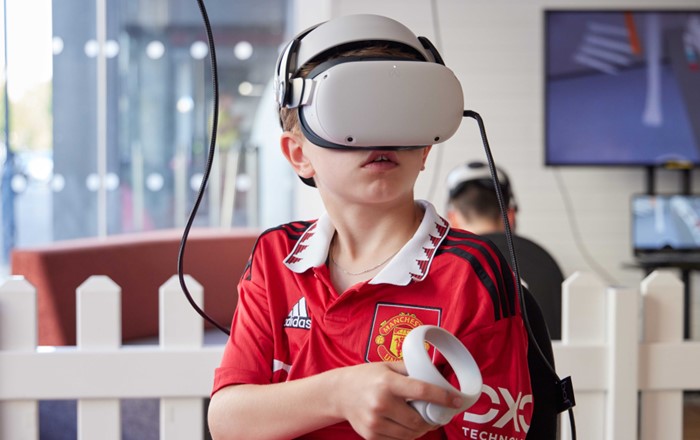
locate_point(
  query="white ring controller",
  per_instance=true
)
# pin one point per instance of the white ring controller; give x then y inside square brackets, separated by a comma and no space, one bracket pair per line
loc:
[419,366]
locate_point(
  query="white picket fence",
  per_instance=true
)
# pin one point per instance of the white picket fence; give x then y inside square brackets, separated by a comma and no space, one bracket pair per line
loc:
[623,348]
[99,371]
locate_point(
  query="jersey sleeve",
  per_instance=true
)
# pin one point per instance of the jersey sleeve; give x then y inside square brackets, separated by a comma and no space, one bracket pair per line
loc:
[248,352]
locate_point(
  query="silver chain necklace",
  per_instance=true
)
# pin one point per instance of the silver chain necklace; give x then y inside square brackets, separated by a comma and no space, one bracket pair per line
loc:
[362,272]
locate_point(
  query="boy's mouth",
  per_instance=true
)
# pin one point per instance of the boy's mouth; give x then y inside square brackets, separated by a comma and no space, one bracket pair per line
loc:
[382,157]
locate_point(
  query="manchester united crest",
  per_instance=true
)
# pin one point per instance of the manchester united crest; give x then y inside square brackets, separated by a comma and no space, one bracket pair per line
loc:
[391,324]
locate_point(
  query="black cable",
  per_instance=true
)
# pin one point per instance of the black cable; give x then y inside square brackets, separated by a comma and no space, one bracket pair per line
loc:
[572,423]
[207,171]
[508,231]
[511,249]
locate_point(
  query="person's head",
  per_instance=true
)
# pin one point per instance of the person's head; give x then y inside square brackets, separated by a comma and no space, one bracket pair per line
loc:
[472,201]
[347,94]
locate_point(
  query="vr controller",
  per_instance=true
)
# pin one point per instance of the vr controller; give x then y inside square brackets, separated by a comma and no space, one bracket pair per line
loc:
[420,367]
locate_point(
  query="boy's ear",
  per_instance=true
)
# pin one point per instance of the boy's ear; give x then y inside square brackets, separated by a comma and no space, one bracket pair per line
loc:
[426,151]
[292,145]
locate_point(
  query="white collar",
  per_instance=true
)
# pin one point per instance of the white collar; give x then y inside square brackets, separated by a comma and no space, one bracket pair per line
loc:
[412,262]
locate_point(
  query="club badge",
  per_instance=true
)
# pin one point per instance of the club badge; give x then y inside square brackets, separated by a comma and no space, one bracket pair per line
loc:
[391,324]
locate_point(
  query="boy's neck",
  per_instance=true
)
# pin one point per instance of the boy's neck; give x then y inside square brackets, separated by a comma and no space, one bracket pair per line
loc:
[365,243]
[366,231]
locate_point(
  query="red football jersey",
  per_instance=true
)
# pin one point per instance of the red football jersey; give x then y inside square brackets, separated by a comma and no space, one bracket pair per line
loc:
[290,322]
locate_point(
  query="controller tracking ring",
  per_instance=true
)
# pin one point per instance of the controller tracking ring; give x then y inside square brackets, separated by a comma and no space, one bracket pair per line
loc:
[419,366]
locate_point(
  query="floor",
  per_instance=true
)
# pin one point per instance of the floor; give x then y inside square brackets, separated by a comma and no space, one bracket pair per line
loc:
[691,416]
[140,419]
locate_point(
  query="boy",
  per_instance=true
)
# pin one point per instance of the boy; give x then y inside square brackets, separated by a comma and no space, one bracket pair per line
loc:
[315,346]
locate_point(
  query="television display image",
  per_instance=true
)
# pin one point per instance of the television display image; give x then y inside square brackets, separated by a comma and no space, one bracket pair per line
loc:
[622,88]
[665,223]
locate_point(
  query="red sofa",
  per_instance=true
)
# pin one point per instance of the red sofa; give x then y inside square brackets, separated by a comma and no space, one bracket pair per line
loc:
[139,263]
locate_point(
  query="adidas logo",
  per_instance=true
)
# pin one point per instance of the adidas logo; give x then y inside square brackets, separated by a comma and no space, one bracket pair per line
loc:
[298,317]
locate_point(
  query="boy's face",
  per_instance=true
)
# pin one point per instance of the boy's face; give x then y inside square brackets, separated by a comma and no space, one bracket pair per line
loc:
[370,176]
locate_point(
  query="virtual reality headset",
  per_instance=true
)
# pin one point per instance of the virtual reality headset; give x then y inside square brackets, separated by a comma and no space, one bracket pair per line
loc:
[479,173]
[382,103]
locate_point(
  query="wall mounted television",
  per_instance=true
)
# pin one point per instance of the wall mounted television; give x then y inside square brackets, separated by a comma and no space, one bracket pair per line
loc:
[622,88]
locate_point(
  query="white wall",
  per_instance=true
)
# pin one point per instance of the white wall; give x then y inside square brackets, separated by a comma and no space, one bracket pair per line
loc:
[495,47]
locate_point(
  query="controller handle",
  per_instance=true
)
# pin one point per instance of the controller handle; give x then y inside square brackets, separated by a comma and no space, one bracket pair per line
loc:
[419,366]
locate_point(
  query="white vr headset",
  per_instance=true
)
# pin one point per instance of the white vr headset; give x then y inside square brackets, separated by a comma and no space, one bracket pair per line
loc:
[355,103]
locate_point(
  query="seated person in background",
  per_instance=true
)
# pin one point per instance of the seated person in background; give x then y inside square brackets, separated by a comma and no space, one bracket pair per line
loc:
[473,206]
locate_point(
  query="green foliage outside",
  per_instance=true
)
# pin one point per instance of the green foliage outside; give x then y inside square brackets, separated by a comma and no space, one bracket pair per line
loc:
[30,119]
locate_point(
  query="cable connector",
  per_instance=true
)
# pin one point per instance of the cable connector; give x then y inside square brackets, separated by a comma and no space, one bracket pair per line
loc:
[565,398]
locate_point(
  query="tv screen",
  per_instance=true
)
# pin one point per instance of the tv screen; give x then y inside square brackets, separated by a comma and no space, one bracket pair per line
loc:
[665,222]
[622,87]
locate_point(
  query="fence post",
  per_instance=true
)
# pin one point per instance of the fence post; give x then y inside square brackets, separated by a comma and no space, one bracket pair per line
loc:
[18,332]
[180,328]
[623,363]
[662,411]
[584,322]
[98,328]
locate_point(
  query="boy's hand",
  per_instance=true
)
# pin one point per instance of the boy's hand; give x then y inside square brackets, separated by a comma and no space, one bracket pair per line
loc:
[373,399]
